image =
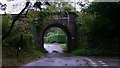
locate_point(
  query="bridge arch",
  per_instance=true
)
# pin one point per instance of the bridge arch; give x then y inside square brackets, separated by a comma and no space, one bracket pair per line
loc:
[65,29]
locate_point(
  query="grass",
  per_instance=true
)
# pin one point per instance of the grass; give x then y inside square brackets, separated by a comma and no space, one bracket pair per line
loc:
[64,47]
[23,58]
[18,61]
[95,52]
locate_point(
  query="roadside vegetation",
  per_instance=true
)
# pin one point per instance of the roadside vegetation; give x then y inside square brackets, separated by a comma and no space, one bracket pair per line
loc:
[64,46]
[97,33]
[97,30]
[54,34]
[19,46]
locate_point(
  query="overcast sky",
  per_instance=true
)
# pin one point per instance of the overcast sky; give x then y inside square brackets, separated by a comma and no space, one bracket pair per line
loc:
[15,6]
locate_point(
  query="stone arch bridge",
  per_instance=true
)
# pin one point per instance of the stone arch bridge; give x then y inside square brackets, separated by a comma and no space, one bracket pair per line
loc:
[67,23]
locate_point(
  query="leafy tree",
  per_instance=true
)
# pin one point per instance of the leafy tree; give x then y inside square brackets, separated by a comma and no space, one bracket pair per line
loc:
[102,26]
[6,21]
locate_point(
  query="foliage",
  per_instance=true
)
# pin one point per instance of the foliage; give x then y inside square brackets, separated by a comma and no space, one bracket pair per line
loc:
[55,38]
[64,47]
[20,44]
[24,57]
[54,34]
[19,38]
[82,52]
[37,19]
[68,8]
[32,15]
[98,29]
[50,33]
[53,30]
[59,7]
[109,11]
[6,21]
[94,52]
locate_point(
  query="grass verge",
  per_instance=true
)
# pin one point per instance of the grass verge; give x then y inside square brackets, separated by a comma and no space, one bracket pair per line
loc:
[95,52]
[64,47]
[22,60]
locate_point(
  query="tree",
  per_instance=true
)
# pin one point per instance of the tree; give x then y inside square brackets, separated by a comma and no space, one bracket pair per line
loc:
[105,26]
[38,5]
[109,11]
[13,22]
[3,7]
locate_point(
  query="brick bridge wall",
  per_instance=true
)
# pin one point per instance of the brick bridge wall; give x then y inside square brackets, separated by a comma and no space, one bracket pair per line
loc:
[64,21]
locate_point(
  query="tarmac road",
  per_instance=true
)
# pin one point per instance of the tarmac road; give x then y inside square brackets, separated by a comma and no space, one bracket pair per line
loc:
[56,58]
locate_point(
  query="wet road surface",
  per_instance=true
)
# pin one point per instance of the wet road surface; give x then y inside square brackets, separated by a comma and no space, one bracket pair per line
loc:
[53,47]
[55,57]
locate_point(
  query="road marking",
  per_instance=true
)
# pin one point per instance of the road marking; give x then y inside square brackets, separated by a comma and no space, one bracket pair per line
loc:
[94,64]
[103,63]
[91,62]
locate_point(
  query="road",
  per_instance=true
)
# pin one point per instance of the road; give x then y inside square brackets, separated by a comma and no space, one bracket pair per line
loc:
[55,57]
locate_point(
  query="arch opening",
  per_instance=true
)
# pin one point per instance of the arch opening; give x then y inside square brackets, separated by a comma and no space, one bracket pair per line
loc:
[66,32]
[55,40]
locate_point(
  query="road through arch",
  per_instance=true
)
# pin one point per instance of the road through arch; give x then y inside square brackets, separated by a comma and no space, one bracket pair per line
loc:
[65,29]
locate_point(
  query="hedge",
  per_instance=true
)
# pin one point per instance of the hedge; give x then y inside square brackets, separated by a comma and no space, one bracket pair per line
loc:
[60,38]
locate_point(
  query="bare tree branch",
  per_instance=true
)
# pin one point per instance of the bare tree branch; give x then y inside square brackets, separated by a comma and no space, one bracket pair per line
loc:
[13,22]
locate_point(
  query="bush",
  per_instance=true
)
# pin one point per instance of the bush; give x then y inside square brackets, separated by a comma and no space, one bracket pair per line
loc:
[97,29]
[50,34]
[6,21]
[81,52]
[60,38]
[53,38]
[20,43]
